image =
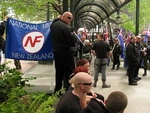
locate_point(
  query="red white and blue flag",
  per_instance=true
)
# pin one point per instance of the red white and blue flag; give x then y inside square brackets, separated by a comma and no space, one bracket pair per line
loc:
[120,37]
[128,38]
[84,31]
[106,34]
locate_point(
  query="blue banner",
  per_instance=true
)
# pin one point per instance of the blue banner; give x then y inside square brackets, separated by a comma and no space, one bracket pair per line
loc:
[27,41]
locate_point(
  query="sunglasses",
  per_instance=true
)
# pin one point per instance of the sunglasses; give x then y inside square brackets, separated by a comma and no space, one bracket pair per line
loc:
[69,17]
[87,84]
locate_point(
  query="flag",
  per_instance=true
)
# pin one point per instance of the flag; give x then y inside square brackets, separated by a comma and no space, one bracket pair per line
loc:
[27,41]
[128,38]
[120,37]
[106,34]
[84,31]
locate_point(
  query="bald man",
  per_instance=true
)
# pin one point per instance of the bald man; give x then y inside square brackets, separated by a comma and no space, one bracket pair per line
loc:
[74,101]
[63,41]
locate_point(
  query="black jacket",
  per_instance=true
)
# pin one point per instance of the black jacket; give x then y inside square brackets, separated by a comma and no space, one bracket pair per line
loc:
[95,107]
[132,54]
[2,30]
[62,36]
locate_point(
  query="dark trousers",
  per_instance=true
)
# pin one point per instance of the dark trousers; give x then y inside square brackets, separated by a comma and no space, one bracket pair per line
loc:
[137,69]
[17,64]
[146,59]
[64,65]
[131,72]
[116,61]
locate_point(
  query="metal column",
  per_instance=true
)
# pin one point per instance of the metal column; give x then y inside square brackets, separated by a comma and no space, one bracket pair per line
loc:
[137,16]
[65,5]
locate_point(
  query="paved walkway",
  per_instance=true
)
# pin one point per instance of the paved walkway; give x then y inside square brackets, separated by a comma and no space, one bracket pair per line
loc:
[138,96]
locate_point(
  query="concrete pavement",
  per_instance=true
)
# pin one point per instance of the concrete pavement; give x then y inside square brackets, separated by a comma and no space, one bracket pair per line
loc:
[138,96]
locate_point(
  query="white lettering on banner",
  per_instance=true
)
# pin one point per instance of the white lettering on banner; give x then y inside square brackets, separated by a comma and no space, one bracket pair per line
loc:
[33,56]
[18,55]
[46,25]
[33,42]
[23,25]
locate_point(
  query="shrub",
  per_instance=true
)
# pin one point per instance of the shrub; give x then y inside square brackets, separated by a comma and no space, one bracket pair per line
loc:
[15,99]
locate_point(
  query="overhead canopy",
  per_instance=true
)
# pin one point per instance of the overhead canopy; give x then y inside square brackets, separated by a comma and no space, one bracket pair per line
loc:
[90,13]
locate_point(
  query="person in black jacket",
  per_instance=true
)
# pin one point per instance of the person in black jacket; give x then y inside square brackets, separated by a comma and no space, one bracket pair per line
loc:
[116,103]
[74,101]
[64,49]
[147,56]
[142,50]
[133,60]
[101,50]
[116,54]
[2,30]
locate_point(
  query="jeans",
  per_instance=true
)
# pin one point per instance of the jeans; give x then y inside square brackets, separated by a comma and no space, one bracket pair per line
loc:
[100,66]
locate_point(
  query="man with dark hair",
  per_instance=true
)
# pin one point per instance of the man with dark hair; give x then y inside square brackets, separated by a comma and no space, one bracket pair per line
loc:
[133,60]
[117,49]
[116,102]
[101,50]
[140,47]
[147,56]
[63,46]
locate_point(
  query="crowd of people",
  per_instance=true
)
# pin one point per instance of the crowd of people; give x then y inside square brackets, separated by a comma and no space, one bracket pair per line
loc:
[72,64]
[73,55]
[137,55]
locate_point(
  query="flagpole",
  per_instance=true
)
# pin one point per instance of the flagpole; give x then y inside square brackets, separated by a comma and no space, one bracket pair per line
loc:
[78,37]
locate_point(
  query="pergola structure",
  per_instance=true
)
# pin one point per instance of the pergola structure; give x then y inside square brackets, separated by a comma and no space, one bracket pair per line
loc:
[90,13]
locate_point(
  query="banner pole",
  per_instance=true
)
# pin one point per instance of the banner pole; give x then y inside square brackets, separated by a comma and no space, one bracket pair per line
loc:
[78,37]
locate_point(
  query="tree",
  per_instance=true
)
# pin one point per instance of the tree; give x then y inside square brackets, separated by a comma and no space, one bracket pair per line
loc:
[130,12]
[32,10]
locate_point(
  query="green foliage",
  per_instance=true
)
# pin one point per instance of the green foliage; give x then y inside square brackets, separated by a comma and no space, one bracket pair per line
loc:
[130,10]
[15,99]
[32,10]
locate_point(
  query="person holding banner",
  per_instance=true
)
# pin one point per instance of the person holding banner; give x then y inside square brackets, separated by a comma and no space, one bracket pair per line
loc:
[17,64]
[64,49]
[2,41]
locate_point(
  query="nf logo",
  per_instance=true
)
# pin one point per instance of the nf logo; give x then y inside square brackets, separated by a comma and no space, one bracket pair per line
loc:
[33,42]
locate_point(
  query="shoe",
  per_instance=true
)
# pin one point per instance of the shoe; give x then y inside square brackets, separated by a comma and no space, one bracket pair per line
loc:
[112,68]
[106,86]
[117,68]
[144,74]
[137,78]
[133,83]
[17,68]
[94,84]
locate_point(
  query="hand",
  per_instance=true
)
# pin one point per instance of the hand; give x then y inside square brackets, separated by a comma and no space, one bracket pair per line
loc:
[93,94]
[6,17]
[100,101]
